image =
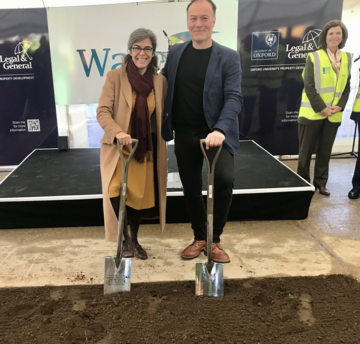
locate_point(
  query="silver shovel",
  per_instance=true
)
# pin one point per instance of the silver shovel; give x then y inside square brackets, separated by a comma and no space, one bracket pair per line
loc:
[117,277]
[209,277]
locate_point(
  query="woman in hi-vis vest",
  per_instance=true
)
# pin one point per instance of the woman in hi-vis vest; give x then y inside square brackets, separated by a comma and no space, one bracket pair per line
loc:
[326,91]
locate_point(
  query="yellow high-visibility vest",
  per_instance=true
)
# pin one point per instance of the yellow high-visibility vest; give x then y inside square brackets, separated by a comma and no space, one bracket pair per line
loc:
[356,107]
[327,84]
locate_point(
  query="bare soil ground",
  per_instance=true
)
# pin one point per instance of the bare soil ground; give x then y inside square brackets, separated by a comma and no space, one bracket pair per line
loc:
[324,309]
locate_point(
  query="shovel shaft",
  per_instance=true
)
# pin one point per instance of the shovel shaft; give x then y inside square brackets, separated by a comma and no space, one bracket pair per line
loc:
[210,199]
[210,232]
[120,233]
[125,170]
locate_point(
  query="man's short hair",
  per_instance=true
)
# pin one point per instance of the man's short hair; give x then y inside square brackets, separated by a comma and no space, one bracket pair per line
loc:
[210,1]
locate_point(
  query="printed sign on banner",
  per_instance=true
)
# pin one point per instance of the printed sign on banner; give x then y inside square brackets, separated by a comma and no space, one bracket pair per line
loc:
[273,55]
[94,41]
[27,105]
[265,45]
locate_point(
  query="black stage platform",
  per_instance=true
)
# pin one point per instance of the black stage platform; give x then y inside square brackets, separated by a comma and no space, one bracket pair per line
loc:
[51,188]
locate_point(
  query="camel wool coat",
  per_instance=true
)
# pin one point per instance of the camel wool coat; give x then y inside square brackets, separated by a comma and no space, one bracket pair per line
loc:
[113,115]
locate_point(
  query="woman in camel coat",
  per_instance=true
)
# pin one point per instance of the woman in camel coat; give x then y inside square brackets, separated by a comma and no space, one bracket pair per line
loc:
[131,106]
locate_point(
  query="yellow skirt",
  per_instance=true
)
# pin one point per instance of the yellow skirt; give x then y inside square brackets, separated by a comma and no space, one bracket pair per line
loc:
[140,192]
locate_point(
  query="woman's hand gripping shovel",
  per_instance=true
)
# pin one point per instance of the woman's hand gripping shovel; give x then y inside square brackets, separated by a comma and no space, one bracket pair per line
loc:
[117,276]
[209,279]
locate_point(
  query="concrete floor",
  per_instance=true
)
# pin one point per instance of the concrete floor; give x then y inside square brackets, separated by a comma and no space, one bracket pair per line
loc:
[327,242]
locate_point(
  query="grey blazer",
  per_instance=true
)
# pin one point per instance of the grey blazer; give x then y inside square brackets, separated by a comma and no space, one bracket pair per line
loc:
[222,92]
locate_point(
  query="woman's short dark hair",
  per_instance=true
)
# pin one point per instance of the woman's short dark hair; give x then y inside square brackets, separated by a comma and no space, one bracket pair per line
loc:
[210,1]
[137,36]
[328,26]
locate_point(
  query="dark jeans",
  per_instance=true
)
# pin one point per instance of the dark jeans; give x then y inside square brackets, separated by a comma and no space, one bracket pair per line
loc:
[190,161]
[356,177]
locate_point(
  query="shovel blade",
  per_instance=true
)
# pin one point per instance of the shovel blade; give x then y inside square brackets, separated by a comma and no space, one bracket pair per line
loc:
[207,283]
[117,277]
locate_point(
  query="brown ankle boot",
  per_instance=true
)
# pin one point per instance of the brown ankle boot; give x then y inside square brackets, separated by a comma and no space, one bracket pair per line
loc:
[139,252]
[127,251]
[324,191]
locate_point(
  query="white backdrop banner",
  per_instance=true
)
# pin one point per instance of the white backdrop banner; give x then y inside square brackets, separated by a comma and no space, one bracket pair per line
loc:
[86,42]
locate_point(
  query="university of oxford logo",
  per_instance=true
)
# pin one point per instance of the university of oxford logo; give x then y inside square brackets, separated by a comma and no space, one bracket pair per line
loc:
[270,39]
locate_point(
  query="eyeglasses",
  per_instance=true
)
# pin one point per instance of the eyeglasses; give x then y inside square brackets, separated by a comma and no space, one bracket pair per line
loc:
[137,49]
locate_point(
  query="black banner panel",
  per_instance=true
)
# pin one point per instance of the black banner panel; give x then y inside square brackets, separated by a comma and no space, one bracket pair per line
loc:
[274,38]
[27,105]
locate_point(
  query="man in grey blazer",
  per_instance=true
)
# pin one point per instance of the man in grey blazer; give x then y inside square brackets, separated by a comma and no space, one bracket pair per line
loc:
[203,101]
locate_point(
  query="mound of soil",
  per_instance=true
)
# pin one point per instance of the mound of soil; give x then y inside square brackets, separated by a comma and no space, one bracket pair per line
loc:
[324,309]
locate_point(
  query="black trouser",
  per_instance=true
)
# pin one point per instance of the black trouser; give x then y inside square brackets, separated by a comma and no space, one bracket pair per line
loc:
[356,177]
[190,161]
[322,135]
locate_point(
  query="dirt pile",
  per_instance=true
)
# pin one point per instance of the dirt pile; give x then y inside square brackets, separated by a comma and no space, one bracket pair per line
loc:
[323,309]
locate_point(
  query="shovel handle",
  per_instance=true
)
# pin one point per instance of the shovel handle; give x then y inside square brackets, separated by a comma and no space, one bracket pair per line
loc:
[125,170]
[210,200]
[210,176]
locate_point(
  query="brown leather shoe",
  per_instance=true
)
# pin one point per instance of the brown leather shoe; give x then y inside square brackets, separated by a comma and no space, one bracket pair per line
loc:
[139,252]
[218,254]
[324,191]
[127,251]
[193,250]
